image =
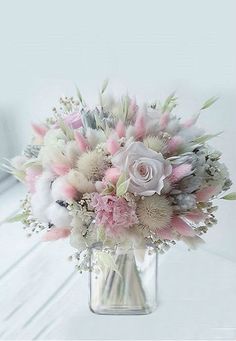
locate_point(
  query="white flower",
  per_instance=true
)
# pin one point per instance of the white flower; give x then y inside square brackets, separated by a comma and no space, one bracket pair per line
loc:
[145,168]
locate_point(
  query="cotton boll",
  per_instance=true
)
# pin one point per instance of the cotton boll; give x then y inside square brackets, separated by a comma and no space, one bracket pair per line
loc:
[42,196]
[58,215]
[39,206]
[62,189]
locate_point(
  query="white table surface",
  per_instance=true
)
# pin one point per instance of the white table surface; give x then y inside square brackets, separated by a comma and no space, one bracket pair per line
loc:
[42,298]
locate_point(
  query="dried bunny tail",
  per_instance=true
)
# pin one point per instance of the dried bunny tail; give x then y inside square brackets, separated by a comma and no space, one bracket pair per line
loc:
[92,165]
[95,137]
[154,212]
[80,182]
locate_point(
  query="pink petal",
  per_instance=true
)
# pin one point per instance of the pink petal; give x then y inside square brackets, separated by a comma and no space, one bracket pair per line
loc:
[166,233]
[82,141]
[60,169]
[112,146]
[174,144]
[139,126]
[56,233]
[120,129]
[182,227]
[207,193]
[69,191]
[39,129]
[133,107]
[164,119]
[179,172]
[112,175]
[191,121]
[195,216]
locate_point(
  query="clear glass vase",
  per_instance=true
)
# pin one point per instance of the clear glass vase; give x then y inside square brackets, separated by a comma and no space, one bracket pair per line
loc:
[128,286]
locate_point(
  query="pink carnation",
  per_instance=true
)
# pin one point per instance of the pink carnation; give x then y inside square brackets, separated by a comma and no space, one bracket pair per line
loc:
[113,213]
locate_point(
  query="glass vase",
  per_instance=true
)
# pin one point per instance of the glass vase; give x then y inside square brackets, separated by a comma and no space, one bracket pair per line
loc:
[128,286]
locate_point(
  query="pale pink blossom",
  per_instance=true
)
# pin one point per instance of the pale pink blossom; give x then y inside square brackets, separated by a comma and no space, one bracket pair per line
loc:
[179,172]
[112,146]
[174,144]
[73,120]
[140,126]
[60,168]
[39,129]
[112,175]
[206,193]
[82,141]
[56,233]
[114,213]
[120,129]
[182,227]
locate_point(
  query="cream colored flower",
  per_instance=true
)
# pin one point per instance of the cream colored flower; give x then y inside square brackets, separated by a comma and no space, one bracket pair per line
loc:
[92,165]
[80,182]
[154,212]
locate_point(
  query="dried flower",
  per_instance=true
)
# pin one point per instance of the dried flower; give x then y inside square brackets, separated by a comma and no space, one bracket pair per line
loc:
[154,212]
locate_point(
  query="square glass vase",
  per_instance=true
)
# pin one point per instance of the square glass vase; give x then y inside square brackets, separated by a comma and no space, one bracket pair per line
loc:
[128,286]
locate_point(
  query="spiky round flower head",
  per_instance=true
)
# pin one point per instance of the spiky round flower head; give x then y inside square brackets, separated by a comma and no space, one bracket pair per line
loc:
[154,143]
[92,164]
[154,212]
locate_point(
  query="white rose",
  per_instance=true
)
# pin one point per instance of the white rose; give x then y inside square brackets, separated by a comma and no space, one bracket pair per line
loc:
[145,168]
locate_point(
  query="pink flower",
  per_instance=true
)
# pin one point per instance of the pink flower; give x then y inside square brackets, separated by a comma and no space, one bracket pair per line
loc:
[73,120]
[56,233]
[114,213]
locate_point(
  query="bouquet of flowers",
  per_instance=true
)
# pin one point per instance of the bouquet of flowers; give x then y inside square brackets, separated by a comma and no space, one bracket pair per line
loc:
[120,175]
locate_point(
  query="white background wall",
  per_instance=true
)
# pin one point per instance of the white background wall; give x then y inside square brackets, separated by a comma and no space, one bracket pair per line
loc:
[148,48]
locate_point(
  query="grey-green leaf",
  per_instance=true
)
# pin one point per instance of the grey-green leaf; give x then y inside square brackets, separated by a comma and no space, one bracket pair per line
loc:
[205,138]
[209,102]
[230,196]
[104,86]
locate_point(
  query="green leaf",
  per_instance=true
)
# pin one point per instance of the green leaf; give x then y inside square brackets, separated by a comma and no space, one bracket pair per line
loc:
[170,101]
[122,188]
[104,86]
[17,217]
[122,185]
[204,138]
[230,196]
[209,102]
[79,96]
[101,235]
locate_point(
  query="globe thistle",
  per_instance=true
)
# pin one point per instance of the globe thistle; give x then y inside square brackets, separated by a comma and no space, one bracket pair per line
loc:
[92,165]
[154,212]
[154,143]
